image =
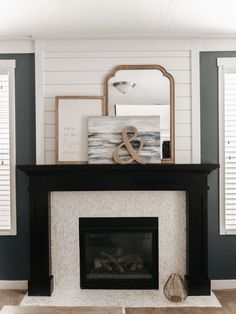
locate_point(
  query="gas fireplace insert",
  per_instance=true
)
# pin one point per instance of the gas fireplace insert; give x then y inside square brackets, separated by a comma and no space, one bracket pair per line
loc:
[119,253]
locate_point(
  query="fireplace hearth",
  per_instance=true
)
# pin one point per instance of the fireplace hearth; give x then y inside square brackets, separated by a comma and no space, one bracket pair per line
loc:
[119,253]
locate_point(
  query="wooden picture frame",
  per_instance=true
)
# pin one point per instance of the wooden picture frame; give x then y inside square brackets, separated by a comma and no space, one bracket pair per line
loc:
[71,126]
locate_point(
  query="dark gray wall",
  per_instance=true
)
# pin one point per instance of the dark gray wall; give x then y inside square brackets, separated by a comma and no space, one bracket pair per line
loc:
[14,250]
[222,249]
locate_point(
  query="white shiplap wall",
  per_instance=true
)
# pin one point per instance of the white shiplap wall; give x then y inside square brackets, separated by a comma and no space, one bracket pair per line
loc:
[78,68]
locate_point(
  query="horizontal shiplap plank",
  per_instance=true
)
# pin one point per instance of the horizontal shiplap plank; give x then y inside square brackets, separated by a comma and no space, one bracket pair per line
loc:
[49,117]
[72,90]
[49,104]
[118,54]
[50,158]
[183,156]
[50,144]
[70,78]
[49,131]
[181,77]
[183,143]
[117,44]
[181,103]
[106,64]
[183,116]
[181,90]
[183,129]
[97,77]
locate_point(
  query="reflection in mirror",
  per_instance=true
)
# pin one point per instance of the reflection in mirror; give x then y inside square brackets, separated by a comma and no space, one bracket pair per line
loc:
[149,95]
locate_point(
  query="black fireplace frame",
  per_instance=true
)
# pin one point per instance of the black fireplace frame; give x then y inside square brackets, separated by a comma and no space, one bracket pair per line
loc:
[119,224]
[192,178]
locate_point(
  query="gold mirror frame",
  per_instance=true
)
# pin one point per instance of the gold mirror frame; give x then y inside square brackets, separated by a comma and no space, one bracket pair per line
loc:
[172,98]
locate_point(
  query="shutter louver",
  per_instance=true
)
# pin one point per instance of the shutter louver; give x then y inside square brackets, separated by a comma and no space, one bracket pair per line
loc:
[5,180]
[230,150]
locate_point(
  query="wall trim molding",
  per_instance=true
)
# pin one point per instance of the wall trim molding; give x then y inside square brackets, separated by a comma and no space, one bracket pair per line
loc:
[16,46]
[14,284]
[39,101]
[223,284]
[196,110]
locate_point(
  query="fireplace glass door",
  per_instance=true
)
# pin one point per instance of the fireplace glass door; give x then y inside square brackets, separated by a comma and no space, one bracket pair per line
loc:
[119,253]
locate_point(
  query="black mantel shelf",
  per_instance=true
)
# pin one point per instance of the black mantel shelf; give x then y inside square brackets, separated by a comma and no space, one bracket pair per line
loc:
[30,169]
[192,178]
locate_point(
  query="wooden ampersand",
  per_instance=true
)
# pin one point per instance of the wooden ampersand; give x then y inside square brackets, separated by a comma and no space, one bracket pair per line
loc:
[127,143]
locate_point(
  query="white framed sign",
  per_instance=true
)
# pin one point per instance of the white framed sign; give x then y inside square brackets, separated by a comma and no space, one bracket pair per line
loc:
[72,129]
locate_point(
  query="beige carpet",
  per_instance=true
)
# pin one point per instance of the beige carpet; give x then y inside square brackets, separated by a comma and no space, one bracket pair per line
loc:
[11,297]
[226,297]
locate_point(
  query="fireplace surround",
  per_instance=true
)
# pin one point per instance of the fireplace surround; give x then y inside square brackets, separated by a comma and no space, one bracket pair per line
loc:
[191,178]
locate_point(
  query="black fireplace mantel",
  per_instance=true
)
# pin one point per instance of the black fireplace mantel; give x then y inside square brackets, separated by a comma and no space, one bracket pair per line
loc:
[191,178]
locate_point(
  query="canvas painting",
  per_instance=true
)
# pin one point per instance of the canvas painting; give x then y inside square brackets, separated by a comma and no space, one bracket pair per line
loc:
[105,134]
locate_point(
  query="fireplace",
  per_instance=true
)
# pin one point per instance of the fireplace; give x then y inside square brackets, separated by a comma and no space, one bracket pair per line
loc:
[192,178]
[119,253]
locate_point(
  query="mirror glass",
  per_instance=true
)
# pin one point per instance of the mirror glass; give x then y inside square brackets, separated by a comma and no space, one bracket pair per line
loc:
[147,93]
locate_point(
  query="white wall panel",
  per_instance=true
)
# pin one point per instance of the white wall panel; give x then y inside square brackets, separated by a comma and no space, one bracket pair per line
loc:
[50,144]
[79,67]
[182,90]
[118,45]
[182,130]
[183,116]
[183,103]
[49,117]
[50,157]
[106,64]
[49,104]
[118,54]
[64,90]
[50,131]
[183,156]
[96,77]
[183,142]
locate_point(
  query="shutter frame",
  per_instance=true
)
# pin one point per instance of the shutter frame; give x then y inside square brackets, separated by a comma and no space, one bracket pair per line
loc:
[7,149]
[230,149]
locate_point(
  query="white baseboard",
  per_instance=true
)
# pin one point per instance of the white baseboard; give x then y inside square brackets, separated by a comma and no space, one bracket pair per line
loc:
[14,284]
[223,284]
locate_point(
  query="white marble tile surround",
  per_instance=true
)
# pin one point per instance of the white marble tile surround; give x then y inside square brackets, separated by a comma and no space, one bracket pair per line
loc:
[67,207]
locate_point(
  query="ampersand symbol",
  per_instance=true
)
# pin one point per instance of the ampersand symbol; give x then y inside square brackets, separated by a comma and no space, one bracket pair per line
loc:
[127,144]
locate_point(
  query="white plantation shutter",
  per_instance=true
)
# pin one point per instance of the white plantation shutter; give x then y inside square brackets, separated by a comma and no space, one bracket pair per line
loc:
[5,178]
[7,148]
[230,150]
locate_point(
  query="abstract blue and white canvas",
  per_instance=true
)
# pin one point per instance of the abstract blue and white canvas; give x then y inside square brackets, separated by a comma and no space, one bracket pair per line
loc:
[105,134]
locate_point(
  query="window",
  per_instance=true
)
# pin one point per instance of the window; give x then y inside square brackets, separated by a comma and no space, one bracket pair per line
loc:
[227,144]
[7,148]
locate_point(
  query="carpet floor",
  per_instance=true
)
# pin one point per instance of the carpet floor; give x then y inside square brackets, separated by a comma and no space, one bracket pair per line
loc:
[9,297]
[227,299]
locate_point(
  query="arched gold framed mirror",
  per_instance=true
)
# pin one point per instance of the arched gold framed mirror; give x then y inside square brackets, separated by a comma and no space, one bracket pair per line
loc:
[144,90]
